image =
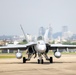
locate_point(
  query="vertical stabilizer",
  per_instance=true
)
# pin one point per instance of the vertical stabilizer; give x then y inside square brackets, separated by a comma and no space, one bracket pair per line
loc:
[25,35]
[46,39]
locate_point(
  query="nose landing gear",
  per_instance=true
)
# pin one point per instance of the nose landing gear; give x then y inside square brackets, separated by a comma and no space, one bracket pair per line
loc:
[40,61]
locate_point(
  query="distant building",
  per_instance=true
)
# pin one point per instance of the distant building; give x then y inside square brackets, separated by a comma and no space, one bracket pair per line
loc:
[64,29]
[66,34]
[73,37]
[7,51]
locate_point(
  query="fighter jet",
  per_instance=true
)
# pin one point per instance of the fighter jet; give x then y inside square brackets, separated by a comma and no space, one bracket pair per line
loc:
[38,48]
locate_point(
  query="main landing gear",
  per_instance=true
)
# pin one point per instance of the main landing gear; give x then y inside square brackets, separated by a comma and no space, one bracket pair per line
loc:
[51,59]
[24,59]
[40,61]
[29,57]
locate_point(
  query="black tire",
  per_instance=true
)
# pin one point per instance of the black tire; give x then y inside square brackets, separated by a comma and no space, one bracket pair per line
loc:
[38,61]
[24,60]
[51,59]
[42,61]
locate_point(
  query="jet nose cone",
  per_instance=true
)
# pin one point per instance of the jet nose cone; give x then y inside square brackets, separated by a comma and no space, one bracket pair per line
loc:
[43,48]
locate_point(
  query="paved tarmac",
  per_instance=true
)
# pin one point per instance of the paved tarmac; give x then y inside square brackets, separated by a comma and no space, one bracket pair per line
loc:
[66,65]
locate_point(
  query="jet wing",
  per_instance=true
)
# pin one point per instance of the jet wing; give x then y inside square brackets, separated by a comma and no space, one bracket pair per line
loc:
[61,46]
[15,47]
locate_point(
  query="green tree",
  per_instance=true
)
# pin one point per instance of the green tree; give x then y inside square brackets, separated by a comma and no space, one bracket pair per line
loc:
[23,42]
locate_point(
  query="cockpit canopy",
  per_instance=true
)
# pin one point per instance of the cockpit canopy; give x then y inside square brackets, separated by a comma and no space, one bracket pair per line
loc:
[39,38]
[41,42]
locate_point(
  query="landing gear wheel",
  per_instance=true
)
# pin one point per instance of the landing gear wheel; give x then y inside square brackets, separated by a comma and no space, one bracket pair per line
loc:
[38,61]
[51,59]
[24,60]
[42,61]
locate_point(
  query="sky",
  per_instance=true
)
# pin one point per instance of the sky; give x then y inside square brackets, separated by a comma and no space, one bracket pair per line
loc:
[32,14]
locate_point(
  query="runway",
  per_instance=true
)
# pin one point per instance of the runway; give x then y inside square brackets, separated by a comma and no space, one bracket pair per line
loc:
[66,65]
